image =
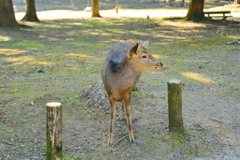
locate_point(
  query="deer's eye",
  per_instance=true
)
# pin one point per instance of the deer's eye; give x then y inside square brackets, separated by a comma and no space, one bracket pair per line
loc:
[144,56]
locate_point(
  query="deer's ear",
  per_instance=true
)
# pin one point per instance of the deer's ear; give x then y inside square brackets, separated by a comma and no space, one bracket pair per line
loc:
[133,51]
[145,44]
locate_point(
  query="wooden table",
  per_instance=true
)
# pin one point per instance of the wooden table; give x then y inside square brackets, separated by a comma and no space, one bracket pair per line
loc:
[218,13]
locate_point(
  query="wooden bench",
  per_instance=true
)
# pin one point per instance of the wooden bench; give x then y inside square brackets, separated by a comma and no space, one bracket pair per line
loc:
[88,9]
[218,14]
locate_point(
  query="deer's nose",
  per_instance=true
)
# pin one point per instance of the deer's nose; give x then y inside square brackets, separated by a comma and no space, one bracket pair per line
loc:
[161,63]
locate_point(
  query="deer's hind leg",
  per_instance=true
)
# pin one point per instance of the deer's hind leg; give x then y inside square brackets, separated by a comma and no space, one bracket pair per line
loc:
[127,109]
[120,118]
[113,113]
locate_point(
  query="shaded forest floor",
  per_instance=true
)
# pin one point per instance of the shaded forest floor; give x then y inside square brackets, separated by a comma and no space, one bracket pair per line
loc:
[58,60]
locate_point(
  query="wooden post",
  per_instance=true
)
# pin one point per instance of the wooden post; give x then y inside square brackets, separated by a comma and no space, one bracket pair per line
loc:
[116,6]
[54,131]
[175,106]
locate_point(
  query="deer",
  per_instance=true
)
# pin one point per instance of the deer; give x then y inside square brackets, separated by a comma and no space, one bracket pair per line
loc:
[120,72]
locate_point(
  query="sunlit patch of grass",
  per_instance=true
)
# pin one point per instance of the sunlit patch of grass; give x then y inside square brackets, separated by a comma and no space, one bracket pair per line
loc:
[4,38]
[8,52]
[82,55]
[198,77]
[26,59]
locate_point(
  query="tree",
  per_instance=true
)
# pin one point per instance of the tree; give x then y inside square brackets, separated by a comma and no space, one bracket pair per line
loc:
[237,1]
[7,17]
[170,2]
[95,9]
[31,12]
[195,10]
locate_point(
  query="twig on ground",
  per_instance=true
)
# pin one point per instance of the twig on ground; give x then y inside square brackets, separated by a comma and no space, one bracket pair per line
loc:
[8,143]
[119,140]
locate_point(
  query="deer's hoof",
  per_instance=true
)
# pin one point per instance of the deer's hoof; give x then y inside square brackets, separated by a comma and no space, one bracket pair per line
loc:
[132,141]
[110,139]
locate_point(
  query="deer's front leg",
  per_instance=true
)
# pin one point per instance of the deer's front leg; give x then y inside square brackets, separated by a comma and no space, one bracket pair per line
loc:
[127,110]
[113,113]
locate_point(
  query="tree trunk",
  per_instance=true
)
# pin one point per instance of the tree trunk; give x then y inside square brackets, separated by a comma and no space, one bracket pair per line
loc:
[31,12]
[195,10]
[170,2]
[54,131]
[237,1]
[7,17]
[183,3]
[95,9]
[175,106]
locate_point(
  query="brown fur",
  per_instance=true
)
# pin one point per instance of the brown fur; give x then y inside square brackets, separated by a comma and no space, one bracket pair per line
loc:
[131,62]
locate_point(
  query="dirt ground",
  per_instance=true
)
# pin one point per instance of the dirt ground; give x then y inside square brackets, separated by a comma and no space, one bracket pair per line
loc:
[211,111]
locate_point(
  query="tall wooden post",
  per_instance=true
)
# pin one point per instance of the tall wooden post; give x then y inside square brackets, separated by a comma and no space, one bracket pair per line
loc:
[116,6]
[54,131]
[175,106]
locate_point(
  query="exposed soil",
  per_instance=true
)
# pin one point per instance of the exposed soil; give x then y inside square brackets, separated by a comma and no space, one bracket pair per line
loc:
[211,112]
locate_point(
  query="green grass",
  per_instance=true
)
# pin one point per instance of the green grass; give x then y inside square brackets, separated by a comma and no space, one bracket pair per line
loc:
[174,139]
[61,57]
[82,55]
